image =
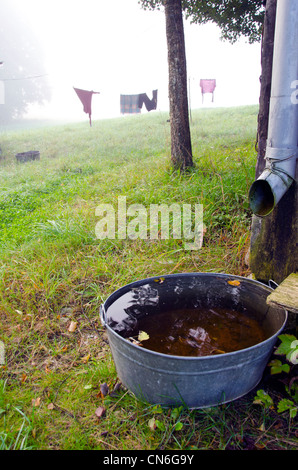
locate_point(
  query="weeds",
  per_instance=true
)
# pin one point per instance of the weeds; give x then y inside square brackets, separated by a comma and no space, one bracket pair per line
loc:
[288,350]
[11,438]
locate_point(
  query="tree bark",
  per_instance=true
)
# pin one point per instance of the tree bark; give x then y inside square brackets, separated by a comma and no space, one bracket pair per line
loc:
[181,151]
[265,92]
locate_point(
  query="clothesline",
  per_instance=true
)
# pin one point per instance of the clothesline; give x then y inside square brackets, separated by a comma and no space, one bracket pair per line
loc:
[132,104]
[129,104]
[24,78]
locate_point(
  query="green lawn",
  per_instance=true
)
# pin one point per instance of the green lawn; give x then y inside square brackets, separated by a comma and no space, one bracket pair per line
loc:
[54,271]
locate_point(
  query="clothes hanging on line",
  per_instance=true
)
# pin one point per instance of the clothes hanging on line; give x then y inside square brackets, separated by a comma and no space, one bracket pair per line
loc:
[129,104]
[150,104]
[132,104]
[207,86]
[86,98]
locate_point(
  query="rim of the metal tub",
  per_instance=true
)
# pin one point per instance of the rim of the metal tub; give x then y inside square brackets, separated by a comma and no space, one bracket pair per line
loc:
[188,358]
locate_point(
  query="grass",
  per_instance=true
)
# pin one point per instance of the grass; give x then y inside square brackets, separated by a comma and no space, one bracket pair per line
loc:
[55,271]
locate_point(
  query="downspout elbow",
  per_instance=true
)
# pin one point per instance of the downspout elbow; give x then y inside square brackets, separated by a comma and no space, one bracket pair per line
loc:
[273,183]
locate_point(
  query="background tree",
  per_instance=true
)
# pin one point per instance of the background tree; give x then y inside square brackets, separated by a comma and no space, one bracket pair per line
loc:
[235,18]
[22,56]
[181,152]
[265,92]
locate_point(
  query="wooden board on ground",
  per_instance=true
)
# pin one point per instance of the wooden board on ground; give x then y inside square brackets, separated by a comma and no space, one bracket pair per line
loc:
[286,294]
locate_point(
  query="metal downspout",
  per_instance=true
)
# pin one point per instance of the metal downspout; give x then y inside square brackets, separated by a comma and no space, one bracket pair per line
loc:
[282,141]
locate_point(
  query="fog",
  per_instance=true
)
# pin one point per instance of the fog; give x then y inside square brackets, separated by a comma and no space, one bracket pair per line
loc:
[118,48]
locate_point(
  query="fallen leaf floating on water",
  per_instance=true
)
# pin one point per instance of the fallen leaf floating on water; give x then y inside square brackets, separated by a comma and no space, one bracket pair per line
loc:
[143,336]
[234,283]
[133,341]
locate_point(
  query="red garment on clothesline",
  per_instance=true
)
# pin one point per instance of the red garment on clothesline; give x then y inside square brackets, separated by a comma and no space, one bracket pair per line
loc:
[86,98]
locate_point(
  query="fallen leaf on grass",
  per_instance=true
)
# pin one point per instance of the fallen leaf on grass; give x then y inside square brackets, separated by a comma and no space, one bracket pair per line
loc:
[152,424]
[27,317]
[100,412]
[278,425]
[51,406]
[23,378]
[178,426]
[116,389]
[88,387]
[262,427]
[234,283]
[36,401]
[72,326]
[261,446]
[104,389]
[85,359]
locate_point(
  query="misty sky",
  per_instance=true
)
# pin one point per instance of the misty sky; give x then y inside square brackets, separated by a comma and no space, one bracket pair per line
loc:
[116,47]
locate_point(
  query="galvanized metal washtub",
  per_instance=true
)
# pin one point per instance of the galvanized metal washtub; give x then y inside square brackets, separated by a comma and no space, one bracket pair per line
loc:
[195,382]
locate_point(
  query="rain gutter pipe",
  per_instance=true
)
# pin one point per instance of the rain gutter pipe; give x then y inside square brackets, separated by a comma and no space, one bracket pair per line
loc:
[281,150]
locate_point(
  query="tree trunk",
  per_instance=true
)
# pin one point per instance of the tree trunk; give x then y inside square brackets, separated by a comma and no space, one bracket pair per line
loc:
[181,152]
[273,248]
[266,63]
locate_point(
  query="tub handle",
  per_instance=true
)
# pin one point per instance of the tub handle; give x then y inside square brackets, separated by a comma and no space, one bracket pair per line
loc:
[102,314]
[272,284]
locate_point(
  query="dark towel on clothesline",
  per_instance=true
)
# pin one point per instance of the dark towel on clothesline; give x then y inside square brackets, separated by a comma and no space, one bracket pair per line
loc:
[132,104]
[86,98]
[150,104]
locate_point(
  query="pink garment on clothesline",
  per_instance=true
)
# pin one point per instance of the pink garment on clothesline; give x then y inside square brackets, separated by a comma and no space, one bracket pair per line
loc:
[207,85]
